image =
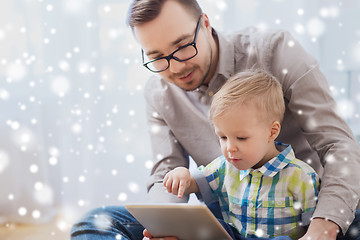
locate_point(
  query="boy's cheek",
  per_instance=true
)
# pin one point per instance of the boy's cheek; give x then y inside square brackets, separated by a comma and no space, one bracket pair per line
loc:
[223,150]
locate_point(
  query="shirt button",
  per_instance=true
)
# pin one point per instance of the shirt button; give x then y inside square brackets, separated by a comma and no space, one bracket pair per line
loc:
[211,93]
[251,205]
[255,179]
[279,202]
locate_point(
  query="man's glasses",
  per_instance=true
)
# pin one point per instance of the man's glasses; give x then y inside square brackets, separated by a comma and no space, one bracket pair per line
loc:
[182,54]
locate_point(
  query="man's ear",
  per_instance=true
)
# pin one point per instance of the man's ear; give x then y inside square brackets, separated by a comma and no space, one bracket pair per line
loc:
[206,22]
[274,131]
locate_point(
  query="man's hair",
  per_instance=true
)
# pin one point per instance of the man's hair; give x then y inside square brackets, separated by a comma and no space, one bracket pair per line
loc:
[252,86]
[143,11]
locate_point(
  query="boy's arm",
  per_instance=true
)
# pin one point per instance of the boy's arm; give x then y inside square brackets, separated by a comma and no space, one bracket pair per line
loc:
[304,185]
[179,182]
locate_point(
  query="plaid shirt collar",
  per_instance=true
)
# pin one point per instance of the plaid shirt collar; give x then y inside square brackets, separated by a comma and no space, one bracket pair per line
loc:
[273,166]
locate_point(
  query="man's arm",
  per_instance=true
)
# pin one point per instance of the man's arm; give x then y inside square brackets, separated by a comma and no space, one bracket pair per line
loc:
[321,229]
[310,104]
[167,151]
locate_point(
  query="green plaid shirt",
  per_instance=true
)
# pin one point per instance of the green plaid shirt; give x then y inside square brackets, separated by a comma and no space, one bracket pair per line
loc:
[273,200]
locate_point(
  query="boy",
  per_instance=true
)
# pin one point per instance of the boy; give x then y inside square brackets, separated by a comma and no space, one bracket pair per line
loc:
[263,190]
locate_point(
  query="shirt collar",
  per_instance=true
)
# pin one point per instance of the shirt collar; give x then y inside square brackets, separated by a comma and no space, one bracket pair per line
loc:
[273,166]
[226,60]
[226,66]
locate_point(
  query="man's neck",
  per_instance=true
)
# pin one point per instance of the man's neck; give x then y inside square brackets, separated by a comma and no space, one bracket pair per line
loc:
[214,42]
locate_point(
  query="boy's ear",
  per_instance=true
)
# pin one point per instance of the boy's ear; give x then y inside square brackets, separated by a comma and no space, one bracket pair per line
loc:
[275,131]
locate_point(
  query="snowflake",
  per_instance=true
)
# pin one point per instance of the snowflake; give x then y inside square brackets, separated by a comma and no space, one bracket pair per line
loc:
[36,214]
[103,222]
[43,194]
[315,27]
[122,197]
[60,85]
[22,211]
[4,94]
[4,160]
[133,187]
[16,71]
[259,232]
[130,158]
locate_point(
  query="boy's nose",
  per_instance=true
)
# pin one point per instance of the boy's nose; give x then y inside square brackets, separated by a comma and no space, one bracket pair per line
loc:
[231,147]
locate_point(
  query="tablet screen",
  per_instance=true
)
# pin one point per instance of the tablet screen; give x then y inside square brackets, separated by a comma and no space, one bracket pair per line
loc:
[184,221]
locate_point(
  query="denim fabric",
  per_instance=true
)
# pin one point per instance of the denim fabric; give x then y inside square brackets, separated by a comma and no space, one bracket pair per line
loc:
[233,232]
[353,232]
[112,222]
[115,222]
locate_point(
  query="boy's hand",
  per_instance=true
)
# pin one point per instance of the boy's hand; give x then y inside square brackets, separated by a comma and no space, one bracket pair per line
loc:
[147,236]
[178,181]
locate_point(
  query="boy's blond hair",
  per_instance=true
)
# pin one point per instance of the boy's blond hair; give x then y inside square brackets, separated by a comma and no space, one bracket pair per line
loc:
[252,86]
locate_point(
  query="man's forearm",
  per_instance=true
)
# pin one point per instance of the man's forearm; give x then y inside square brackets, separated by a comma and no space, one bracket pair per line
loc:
[321,229]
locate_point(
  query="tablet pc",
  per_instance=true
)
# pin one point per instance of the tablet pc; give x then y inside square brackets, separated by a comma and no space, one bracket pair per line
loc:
[184,221]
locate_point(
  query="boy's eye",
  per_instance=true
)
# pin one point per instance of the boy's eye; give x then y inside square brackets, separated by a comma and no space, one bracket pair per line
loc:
[242,138]
[222,137]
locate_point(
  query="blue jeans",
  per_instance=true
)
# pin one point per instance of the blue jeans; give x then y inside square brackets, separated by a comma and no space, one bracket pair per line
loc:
[112,222]
[115,222]
[353,232]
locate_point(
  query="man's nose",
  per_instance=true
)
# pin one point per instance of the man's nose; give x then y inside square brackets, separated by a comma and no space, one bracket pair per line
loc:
[176,66]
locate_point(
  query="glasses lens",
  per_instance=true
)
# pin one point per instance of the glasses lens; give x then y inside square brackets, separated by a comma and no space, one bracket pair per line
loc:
[185,53]
[158,65]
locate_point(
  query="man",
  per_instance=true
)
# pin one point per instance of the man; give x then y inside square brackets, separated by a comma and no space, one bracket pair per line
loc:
[193,61]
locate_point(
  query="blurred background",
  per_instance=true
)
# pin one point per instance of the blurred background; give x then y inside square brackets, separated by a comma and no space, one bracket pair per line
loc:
[72,119]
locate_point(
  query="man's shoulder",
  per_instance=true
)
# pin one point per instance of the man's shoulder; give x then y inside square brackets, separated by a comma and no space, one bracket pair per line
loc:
[153,82]
[154,85]
[257,36]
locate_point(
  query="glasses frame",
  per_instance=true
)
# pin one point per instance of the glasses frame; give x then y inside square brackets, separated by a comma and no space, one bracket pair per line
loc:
[171,56]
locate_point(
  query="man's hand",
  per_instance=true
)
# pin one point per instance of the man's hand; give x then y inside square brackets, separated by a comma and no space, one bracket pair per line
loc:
[178,181]
[147,236]
[321,229]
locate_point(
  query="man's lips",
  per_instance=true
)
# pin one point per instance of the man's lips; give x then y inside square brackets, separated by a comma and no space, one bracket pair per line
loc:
[187,77]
